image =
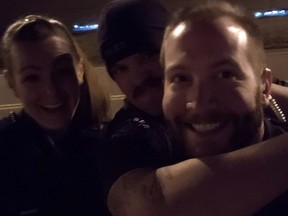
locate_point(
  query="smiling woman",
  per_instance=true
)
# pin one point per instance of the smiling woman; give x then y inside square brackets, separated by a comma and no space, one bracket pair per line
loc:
[45,37]
[50,145]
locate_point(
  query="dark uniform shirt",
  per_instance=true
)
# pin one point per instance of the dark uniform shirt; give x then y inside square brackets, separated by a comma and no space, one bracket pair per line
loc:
[279,206]
[134,139]
[40,175]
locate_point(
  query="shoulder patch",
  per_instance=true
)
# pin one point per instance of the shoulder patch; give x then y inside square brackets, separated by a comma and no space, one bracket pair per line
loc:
[140,123]
[8,121]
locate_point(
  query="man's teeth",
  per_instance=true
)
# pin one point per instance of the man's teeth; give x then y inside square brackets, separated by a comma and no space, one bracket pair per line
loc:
[206,127]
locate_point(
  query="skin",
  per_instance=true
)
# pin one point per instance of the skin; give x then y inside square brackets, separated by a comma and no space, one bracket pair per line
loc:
[224,184]
[44,77]
[213,96]
[139,77]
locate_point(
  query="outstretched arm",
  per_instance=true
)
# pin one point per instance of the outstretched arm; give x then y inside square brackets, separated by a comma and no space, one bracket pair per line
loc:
[236,183]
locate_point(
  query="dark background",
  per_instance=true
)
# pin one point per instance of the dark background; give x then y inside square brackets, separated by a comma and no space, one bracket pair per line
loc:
[87,11]
[68,11]
[77,11]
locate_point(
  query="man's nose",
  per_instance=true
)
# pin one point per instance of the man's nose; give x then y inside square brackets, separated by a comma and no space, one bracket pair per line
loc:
[201,96]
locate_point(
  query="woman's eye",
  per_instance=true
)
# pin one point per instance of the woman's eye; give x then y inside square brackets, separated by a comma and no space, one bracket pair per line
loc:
[30,78]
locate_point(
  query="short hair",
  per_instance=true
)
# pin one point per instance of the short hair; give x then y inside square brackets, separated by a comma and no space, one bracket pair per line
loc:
[36,28]
[212,10]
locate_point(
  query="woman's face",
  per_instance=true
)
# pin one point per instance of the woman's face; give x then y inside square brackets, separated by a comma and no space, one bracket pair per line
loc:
[44,77]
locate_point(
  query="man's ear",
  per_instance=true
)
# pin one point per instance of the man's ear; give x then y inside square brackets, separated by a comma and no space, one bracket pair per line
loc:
[80,72]
[10,80]
[266,82]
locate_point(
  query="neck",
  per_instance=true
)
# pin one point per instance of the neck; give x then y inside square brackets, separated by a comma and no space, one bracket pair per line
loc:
[261,132]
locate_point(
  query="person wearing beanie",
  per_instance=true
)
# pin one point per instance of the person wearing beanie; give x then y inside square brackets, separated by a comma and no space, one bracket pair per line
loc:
[130,35]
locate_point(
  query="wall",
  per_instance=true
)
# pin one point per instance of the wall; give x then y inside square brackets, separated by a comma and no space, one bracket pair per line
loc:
[277,60]
[8,102]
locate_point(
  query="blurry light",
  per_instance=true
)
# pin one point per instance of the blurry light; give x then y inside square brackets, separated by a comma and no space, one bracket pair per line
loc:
[85,28]
[240,34]
[258,14]
[179,29]
[271,13]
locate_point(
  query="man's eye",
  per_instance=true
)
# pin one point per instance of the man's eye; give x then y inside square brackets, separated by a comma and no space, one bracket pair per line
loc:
[119,69]
[180,79]
[226,74]
[149,55]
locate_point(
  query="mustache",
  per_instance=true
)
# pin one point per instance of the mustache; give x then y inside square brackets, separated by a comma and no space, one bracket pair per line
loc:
[149,82]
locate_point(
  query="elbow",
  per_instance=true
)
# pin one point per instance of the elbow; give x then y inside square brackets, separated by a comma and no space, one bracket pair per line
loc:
[136,193]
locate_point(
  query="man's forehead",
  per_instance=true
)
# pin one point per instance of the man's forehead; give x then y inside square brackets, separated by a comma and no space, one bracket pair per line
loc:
[234,29]
[215,41]
[223,31]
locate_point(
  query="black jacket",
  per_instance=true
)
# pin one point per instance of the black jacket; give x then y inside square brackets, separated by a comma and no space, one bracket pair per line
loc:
[41,176]
[134,139]
[279,206]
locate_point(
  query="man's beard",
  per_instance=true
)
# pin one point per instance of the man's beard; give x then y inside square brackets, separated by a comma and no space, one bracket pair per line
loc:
[247,129]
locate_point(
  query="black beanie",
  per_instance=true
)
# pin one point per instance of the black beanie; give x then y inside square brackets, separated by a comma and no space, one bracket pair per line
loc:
[127,27]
